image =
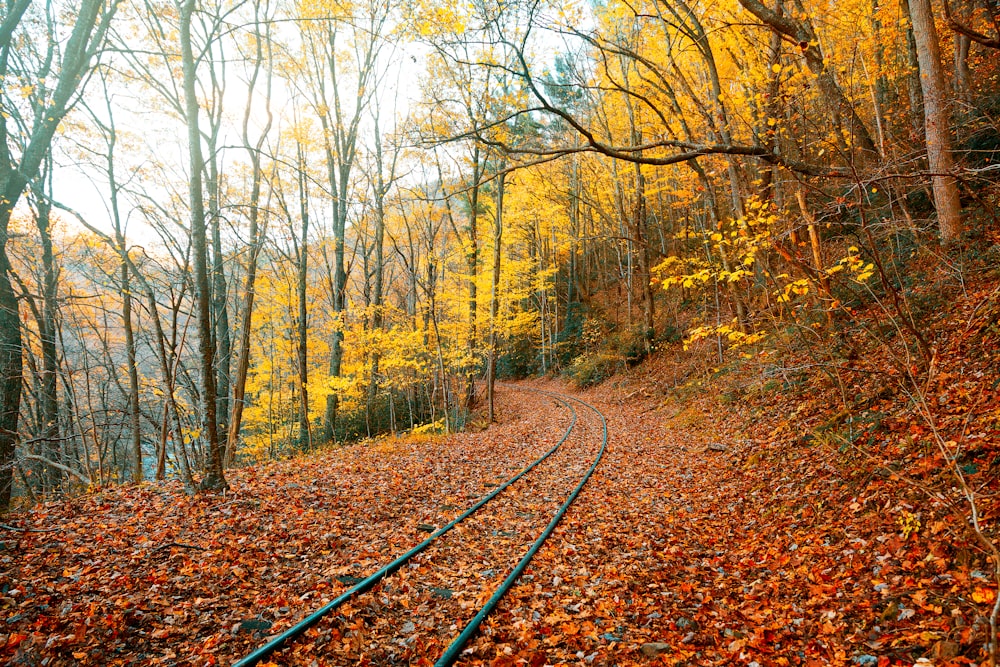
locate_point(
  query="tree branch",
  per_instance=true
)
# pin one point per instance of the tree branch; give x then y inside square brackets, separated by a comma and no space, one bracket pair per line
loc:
[962,29]
[59,466]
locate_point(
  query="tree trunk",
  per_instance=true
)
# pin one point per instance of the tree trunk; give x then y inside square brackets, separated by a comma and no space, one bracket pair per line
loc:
[339,302]
[491,373]
[963,76]
[641,238]
[14,176]
[913,88]
[472,266]
[10,374]
[256,234]
[135,436]
[936,122]
[220,303]
[49,398]
[214,479]
[378,317]
[302,328]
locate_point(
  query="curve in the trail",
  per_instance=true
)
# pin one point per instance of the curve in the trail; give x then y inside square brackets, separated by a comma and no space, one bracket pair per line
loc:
[451,654]
[370,581]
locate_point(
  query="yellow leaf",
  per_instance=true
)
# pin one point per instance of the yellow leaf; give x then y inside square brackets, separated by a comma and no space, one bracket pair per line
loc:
[983,595]
[570,629]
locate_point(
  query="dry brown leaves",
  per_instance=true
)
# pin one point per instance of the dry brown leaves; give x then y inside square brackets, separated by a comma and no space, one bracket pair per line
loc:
[786,548]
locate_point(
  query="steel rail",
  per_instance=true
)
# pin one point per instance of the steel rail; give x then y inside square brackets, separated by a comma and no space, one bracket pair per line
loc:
[370,581]
[451,654]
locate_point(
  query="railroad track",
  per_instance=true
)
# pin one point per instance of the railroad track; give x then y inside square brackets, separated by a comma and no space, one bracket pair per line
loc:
[559,476]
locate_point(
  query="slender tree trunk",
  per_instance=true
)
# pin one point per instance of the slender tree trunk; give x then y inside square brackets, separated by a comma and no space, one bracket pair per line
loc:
[472,266]
[340,118]
[161,448]
[214,478]
[48,398]
[337,338]
[246,323]
[220,302]
[822,278]
[256,234]
[641,238]
[963,77]
[491,374]
[936,122]
[378,316]
[913,88]
[10,374]
[135,435]
[302,328]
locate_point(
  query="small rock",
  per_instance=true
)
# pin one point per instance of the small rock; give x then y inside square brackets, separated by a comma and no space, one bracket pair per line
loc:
[686,624]
[426,528]
[718,447]
[409,628]
[688,638]
[653,649]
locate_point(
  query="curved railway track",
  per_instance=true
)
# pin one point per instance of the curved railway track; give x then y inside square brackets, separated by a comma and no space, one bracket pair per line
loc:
[571,462]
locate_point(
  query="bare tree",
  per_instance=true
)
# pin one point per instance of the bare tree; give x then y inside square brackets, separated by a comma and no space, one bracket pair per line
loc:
[24,143]
[214,478]
[261,59]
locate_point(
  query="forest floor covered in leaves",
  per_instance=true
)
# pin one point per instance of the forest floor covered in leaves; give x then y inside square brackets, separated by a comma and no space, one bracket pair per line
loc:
[742,516]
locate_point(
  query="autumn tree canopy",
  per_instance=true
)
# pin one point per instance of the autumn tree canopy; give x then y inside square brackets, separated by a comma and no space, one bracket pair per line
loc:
[234,230]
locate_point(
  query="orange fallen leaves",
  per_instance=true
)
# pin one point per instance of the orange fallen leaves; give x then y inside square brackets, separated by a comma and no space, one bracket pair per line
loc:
[777,551]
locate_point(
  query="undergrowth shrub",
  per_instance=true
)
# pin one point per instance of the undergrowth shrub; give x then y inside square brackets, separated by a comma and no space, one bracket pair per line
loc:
[613,353]
[590,369]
